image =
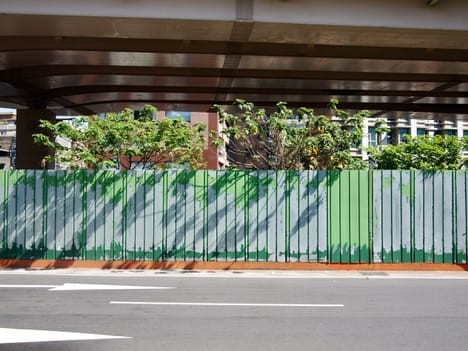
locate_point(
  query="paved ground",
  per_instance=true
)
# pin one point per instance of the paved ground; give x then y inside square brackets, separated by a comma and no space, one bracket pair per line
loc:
[161,310]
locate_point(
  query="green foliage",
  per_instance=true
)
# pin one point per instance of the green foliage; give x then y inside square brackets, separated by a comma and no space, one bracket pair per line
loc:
[423,152]
[381,128]
[289,138]
[121,141]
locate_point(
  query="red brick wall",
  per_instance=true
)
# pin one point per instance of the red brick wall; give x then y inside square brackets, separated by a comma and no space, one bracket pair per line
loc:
[210,154]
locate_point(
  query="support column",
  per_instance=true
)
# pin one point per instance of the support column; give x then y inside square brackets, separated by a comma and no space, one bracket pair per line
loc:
[30,155]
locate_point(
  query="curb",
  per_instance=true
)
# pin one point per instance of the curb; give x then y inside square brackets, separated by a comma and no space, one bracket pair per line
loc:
[203,265]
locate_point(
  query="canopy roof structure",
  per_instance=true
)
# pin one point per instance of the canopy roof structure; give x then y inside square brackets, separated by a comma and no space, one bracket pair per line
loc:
[395,58]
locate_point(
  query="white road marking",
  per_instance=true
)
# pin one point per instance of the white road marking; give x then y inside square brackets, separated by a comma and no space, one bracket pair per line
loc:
[13,336]
[27,286]
[73,287]
[222,304]
[77,287]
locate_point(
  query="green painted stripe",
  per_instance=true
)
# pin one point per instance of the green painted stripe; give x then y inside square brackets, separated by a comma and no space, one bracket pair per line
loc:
[55,214]
[466,217]
[25,215]
[164,213]
[329,221]
[349,221]
[225,217]
[424,221]
[145,229]
[308,188]
[5,213]
[45,190]
[216,222]
[287,216]
[134,200]
[246,182]
[188,214]
[94,182]
[16,209]
[153,204]
[392,219]
[340,216]
[258,214]
[276,217]
[454,218]
[413,214]
[298,217]
[73,215]
[370,212]
[105,243]
[382,217]
[64,184]
[34,189]
[194,214]
[327,215]
[436,258]
[401,217]
[433,217]
[205,215]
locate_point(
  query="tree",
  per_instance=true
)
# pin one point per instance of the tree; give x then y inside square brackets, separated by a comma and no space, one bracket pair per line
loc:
[381,128]
[119,140]
[423,152]
[289,138]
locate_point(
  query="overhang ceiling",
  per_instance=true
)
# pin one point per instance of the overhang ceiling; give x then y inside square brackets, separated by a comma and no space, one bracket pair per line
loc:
[87,65]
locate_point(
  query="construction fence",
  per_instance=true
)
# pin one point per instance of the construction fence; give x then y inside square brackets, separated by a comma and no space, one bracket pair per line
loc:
[264,216]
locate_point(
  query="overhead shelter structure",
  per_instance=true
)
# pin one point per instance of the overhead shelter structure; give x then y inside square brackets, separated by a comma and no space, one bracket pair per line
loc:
[393,57]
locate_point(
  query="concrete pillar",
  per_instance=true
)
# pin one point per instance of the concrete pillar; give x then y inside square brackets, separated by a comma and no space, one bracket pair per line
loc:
[30,155]
[414,128]
[459,125]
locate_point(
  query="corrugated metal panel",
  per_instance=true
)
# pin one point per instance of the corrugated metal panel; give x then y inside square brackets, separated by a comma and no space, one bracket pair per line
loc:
[348,216]
[419,216]
[284,216]
[461,218]
[393,217]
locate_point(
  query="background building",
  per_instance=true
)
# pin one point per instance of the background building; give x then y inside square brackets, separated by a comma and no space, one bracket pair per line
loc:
[401,127]
[215,158]
[7,139]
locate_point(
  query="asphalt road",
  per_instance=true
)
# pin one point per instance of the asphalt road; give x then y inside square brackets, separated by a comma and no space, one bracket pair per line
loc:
[233,310]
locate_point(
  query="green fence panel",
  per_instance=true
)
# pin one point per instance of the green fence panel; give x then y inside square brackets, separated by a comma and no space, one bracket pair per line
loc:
[348,216]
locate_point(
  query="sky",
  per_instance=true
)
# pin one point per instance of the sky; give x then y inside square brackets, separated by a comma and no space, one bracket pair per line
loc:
[7,110]
[12,110]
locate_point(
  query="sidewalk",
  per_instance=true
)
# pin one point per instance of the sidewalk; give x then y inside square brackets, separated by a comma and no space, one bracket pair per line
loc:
[239,274]
[230,266]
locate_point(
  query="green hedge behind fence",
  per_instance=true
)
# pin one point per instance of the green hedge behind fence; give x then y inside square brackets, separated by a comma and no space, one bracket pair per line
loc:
[278,216]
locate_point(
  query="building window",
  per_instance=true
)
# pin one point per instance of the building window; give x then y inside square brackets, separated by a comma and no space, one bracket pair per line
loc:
[137,115]
[421,132]
[450,132]
[178,114]
[402,133]
[372,135]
